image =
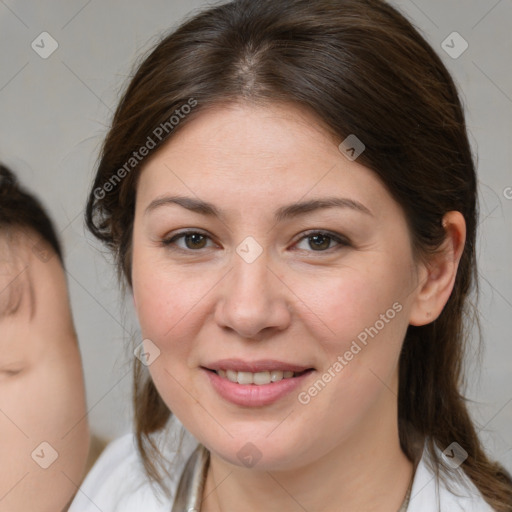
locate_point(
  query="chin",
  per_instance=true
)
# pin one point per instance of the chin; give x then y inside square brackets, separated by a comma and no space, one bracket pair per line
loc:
[258,454]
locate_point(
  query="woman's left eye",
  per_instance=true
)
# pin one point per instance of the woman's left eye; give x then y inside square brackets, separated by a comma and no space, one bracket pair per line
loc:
[319,241]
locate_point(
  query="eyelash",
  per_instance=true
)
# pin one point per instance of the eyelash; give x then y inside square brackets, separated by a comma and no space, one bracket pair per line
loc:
[341,241]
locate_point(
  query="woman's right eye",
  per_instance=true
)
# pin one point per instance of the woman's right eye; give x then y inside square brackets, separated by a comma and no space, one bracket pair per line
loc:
[194,240]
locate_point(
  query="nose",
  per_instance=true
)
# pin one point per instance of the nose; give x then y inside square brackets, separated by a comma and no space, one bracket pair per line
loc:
[254,299]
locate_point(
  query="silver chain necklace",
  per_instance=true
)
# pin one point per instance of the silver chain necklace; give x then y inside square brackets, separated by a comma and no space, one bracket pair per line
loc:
[189,493]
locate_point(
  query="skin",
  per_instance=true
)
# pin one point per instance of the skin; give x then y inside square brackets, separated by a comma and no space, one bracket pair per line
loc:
[42,396]
[295,303]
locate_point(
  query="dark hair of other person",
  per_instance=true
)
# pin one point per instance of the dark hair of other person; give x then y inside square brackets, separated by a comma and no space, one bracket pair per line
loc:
[21,211]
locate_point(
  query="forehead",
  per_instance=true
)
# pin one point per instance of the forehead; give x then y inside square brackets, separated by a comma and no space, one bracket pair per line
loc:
[16,284]
[281,130]
[245,152]
[247,146]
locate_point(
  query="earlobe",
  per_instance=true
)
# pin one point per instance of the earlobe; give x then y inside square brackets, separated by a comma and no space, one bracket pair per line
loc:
[439,273]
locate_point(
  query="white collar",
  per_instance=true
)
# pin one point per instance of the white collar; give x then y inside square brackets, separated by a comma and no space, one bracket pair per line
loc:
[431,494]
[428,493]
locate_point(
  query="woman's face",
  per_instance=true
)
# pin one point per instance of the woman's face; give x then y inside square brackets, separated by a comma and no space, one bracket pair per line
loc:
[44,438]
[265,287]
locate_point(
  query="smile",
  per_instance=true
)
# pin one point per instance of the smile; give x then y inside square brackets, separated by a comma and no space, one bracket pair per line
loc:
[258,378]
[256,383]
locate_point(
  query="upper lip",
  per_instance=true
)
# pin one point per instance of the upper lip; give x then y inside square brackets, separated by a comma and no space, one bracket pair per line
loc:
[263,365]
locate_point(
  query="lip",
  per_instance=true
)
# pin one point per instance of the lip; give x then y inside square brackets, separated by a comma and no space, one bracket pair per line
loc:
[262,365]
[253,395]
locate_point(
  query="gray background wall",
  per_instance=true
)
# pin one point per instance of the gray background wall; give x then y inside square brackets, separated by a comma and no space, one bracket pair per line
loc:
[55,111]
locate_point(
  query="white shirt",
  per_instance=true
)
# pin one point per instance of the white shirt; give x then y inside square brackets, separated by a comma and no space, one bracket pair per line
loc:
[117,482]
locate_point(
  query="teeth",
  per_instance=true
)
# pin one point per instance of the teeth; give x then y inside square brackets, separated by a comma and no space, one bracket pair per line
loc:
[244,378]
[231,375]
[261,378]
[257,378]
[276,375]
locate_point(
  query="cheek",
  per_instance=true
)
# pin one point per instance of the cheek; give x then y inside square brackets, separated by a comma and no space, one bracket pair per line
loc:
[363,323]
[14,446]
[51,411]
[354,300]
[365,309]
[168,298]
[171,315]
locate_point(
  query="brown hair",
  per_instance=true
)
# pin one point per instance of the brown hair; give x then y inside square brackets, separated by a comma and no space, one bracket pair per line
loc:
[361,68]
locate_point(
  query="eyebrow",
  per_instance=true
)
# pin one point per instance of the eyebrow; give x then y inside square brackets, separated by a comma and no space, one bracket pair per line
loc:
[281,214]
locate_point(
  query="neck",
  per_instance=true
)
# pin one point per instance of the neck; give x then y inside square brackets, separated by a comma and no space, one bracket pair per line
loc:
[367,471]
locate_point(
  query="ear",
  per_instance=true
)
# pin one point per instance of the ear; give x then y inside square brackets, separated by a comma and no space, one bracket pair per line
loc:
[437,276]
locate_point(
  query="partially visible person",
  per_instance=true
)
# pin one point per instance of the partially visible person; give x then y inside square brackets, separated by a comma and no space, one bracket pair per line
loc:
[44,433]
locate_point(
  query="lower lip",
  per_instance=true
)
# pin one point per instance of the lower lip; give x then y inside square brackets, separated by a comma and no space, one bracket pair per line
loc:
[252,395]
